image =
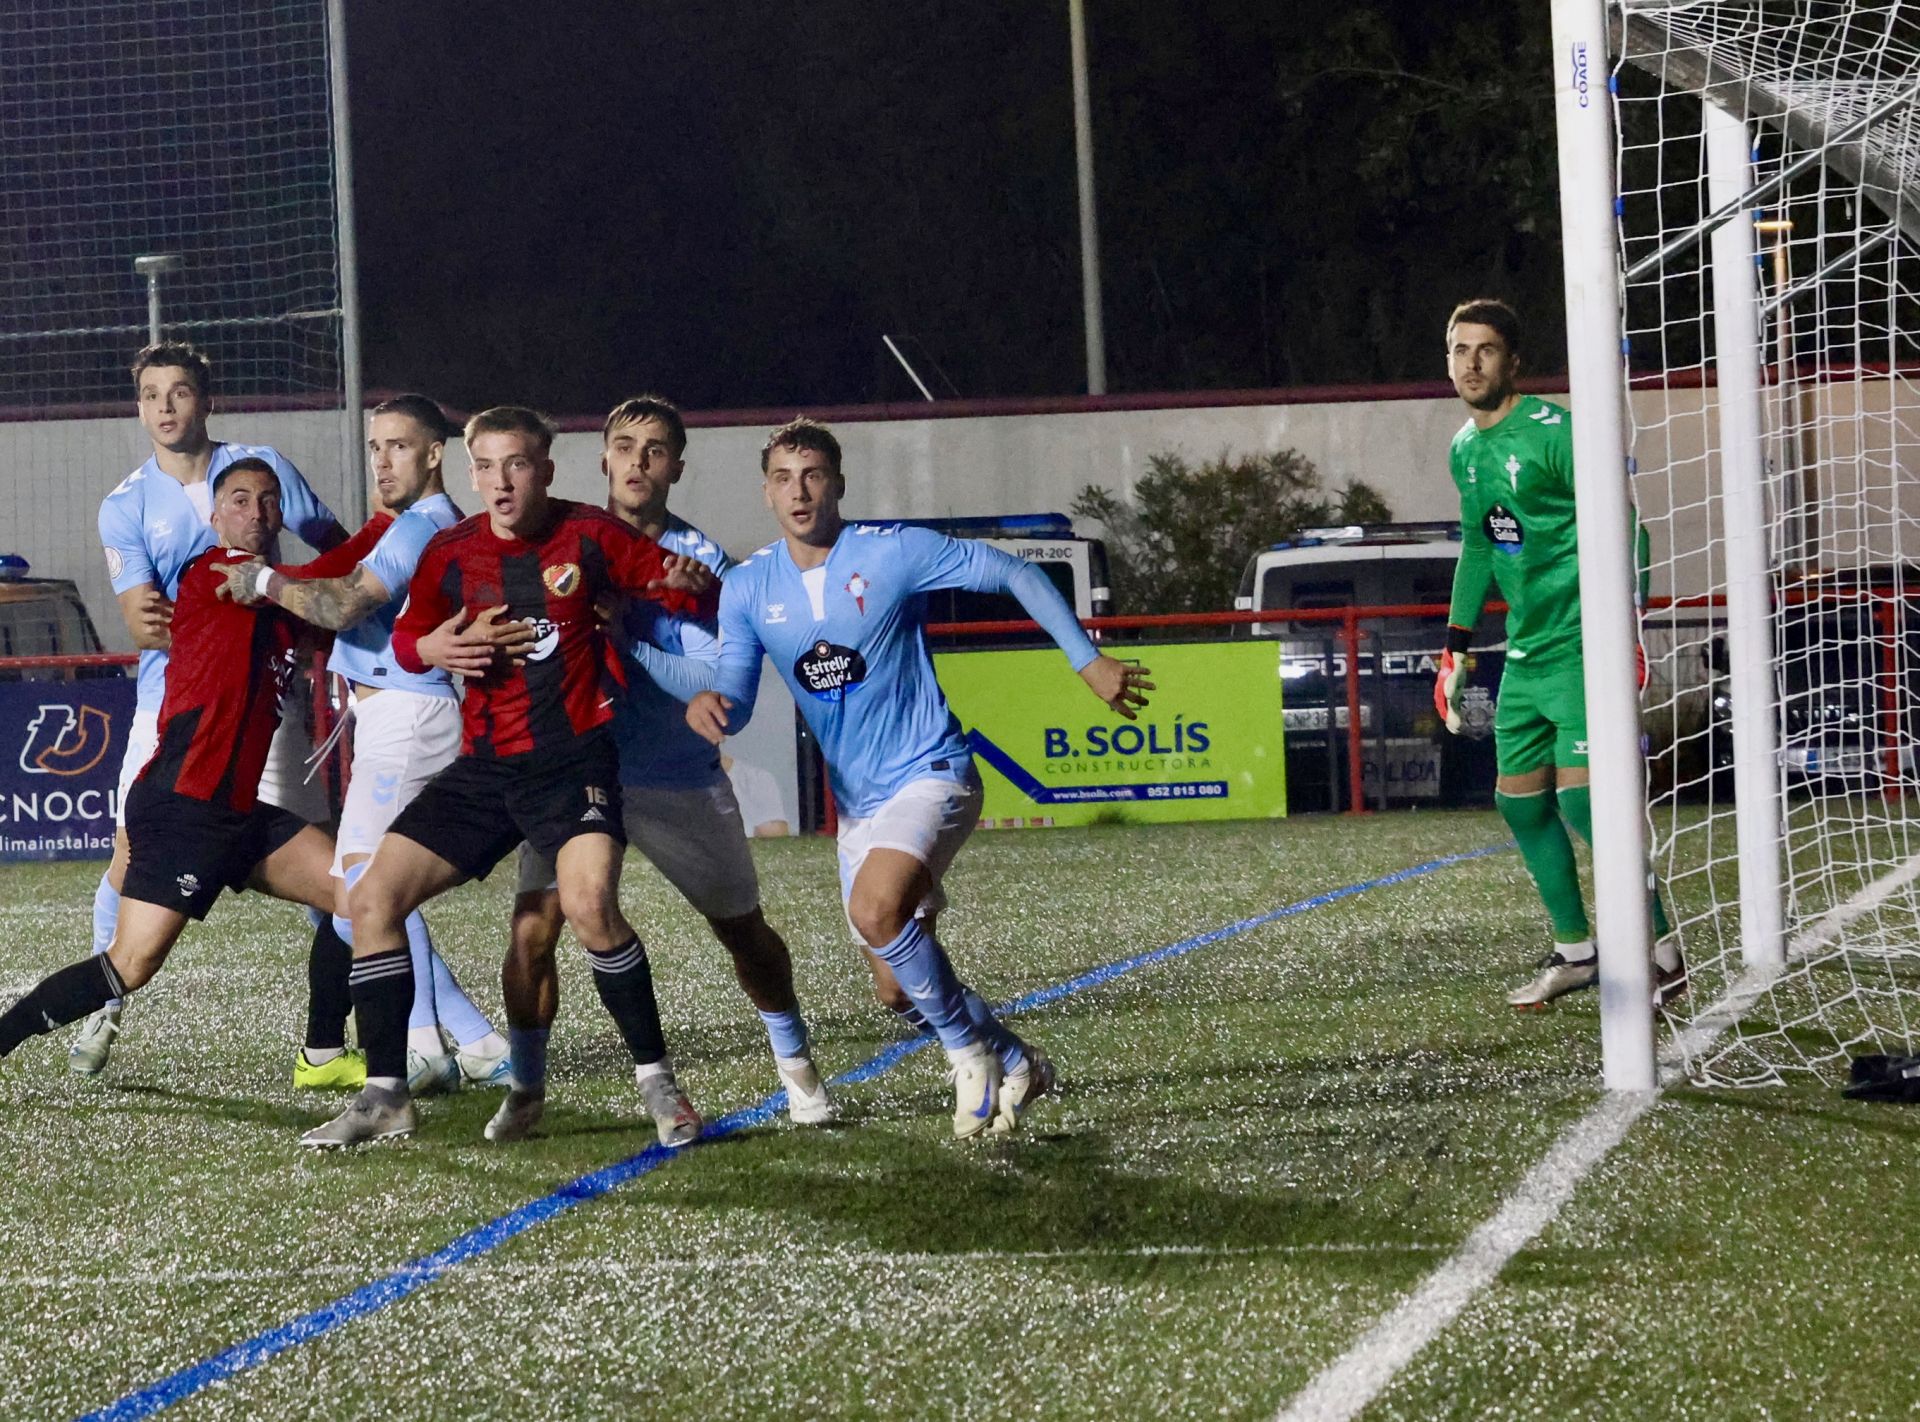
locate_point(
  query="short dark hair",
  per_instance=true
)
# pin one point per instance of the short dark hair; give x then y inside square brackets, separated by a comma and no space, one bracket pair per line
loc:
[512,419]
[802,433]
[648,407]
[1488,311]
[248,464]
[174,353]
[423,412]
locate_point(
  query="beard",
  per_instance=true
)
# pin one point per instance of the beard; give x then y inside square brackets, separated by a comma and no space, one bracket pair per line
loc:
[1492,398]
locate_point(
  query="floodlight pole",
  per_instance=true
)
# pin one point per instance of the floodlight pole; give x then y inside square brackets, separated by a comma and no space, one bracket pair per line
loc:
[1736,341]
[1604,510]
[154,267]
[352,433]
[1089,216]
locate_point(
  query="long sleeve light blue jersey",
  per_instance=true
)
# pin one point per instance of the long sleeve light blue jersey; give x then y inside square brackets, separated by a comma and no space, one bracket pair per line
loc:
[849,638]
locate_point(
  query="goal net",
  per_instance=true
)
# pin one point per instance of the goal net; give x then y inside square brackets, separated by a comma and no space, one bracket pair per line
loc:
[179,129]
[1769,226]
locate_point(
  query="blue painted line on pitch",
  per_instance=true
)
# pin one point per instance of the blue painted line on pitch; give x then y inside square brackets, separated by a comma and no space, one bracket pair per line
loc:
[412,1277]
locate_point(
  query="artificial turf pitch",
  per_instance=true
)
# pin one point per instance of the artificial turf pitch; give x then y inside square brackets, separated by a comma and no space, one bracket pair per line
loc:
[1258,1148]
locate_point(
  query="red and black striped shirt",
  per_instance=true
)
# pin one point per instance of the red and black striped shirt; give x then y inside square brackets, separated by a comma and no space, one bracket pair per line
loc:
[229,666]
[565,687]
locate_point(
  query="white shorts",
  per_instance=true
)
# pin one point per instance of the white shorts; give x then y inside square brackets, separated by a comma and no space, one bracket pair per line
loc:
[693,837]
[929,819]
[401,740]
[142,736]
[284,778]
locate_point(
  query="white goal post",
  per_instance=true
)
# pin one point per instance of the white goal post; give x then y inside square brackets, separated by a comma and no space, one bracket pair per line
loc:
[1743,276]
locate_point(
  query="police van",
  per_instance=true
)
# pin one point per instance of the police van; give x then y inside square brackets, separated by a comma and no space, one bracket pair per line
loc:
[43,617]
[1409,756]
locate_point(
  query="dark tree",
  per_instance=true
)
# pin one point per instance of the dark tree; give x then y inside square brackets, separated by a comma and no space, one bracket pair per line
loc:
[1180,543]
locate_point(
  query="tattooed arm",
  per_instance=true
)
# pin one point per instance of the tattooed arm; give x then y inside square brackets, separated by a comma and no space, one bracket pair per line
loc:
[333,603]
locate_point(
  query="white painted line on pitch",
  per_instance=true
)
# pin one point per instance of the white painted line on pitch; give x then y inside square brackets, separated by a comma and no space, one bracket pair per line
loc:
[1340,1390]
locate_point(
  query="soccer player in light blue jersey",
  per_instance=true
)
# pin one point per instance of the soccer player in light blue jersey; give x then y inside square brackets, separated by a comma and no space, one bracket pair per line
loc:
[841,612]
[679,807]
[151,527]
[406,726]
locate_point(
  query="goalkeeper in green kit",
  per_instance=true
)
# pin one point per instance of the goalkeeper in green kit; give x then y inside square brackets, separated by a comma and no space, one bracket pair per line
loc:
[1513,465]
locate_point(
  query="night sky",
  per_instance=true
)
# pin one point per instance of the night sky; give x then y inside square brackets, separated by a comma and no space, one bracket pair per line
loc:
[731,201]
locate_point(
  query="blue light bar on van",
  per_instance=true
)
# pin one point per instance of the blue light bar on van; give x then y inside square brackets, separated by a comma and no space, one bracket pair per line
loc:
[12,567]
[1038,525]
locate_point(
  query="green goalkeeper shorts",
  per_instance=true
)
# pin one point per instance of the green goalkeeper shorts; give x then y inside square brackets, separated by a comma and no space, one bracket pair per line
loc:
[1541,719]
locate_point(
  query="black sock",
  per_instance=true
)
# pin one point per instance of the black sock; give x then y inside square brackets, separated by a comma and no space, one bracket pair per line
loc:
[329,1000]
[66,996]
[382,985]
[626,987]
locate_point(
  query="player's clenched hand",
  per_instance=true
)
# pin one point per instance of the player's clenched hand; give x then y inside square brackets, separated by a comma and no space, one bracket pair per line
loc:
[684,573]
[237,581]
[707,714]
[153,621]
[1122,685]
[1447,687]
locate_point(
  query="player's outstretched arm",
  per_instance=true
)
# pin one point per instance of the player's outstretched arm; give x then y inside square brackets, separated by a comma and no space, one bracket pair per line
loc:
[1122,685]
[684,586]
[682,678]
[331,603]
[943,562]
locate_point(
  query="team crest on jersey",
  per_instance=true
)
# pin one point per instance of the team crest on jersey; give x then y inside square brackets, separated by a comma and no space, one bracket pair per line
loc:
[827,670]
[859,587]
[114,562]
[562,579]
[1503,530]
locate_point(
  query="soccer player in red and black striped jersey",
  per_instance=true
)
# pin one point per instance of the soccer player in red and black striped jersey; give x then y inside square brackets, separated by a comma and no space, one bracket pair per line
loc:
[195,823]
[537,763]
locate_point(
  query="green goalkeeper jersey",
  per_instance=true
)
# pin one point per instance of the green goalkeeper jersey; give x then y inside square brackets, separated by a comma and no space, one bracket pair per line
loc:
[1517,529]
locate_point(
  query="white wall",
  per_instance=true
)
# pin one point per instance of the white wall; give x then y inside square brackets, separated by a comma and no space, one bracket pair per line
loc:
[53,474]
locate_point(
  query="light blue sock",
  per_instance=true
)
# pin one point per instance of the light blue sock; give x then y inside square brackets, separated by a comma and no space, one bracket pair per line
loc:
[450,1005]
[1011,1050]
[314,917]
[786,1033]
[527,1047]
[106,913]
[920,967]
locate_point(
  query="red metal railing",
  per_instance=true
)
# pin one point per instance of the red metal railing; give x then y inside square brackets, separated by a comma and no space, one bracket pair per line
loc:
[1886,604]
[1348,618]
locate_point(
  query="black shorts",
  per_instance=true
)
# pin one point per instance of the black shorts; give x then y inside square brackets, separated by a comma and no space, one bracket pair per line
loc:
[183,852]
[473,813]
